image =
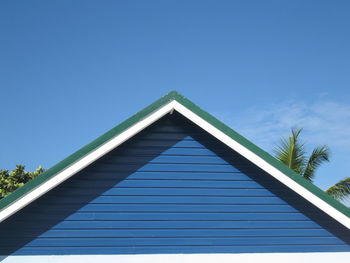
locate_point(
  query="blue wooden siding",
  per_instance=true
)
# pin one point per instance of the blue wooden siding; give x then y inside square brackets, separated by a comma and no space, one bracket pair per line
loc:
[171,189]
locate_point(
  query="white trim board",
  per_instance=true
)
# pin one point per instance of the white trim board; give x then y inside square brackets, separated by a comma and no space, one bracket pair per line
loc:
[139,126]
[324,257]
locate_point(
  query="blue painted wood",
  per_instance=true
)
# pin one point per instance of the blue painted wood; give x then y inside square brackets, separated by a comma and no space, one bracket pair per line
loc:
[216,176]
[171,189]
[168,167]
[170,184]
[173,241]
[142,191]
[189,224]
[149,233]
[163,208]
[163,216]
[174,200]
[190,249]
[151,150]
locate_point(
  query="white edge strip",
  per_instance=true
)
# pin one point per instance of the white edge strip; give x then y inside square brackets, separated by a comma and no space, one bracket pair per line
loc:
[343,219]
[85,161]
[324,257]
[136,128]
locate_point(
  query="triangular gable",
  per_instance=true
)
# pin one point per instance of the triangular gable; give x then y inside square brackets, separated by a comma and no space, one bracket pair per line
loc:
[172,188]
[166,105]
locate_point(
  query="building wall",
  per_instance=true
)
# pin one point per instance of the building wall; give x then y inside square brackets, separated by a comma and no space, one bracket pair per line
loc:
[171,189]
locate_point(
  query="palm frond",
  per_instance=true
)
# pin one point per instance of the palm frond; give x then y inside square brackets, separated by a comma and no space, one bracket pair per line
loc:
[291,152]
[340,190]
[318,156]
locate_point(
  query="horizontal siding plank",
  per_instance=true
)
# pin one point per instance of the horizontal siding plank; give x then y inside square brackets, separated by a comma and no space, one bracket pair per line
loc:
[215,208]
[165,167]
[167,183]
[189,241]
[152,233]
[169,127]
[184,224]
[175,136]
[167,144]
[180,249]
[154,151]
[166,159]
[234,176]
[168,192]
[161,216]
[172,200]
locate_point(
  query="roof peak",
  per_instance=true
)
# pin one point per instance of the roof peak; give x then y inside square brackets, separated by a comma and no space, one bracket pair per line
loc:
[173,95]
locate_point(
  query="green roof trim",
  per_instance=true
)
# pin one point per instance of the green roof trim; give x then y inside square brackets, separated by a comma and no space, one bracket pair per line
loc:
[7,201]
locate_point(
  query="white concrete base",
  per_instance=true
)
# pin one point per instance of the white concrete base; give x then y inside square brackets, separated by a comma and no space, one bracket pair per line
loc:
[338,257]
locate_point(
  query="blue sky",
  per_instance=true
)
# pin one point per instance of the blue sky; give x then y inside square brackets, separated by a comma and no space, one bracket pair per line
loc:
[70,70]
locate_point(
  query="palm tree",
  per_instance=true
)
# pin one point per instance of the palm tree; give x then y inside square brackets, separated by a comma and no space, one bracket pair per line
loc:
[291,152]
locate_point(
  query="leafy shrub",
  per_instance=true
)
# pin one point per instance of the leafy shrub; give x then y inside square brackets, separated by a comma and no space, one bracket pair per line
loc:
[11,180]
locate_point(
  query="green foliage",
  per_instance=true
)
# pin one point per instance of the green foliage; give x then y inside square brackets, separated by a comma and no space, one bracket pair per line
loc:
[11,180]
[340,190]
[292,153]
[318,156]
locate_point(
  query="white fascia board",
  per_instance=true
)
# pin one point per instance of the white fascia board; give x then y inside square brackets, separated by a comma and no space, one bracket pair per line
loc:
[323,257]
[85,161]
[257,160]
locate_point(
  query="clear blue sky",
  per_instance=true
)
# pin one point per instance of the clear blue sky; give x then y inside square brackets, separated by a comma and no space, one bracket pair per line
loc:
[70,70]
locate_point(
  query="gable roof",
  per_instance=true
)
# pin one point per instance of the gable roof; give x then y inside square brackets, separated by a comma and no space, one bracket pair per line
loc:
[165,105]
